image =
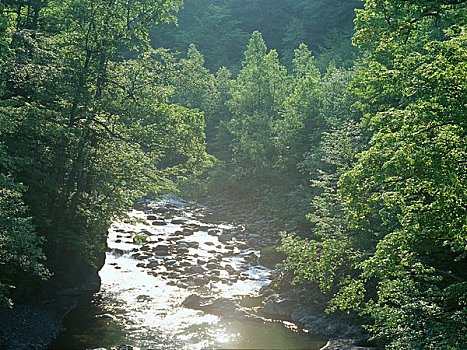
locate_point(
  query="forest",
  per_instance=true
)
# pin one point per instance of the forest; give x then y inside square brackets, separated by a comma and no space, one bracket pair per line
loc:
[344,119]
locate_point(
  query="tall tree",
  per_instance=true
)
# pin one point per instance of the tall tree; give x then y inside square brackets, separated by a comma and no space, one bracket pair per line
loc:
[257,95]
[91,118]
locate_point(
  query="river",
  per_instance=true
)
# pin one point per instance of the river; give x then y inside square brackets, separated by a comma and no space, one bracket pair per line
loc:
[167,250]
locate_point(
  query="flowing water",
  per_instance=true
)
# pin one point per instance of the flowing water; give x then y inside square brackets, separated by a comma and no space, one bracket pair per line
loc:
[144,285]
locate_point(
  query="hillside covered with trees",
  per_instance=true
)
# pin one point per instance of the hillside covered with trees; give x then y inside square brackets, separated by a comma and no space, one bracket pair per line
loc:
[221,29]
[360,150]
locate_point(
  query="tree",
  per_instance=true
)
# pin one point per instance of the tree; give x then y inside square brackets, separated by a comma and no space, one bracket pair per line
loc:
[324,251]
[256,98]
[209,25]
[194,84]
[21,257]
[221,28]
[92,122]
[293,36]
[218,136]
[299,116]
[396,250]
[408,188]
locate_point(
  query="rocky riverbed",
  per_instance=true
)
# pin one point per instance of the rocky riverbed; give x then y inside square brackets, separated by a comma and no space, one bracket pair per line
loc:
[302,305]
[172,241]
[177,277]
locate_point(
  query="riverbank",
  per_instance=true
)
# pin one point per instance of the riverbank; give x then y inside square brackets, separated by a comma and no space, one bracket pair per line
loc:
[175,256]
[37,323]
[303,305]
[26,327]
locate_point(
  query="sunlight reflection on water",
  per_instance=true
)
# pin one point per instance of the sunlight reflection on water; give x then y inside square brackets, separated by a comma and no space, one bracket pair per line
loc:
[147,311]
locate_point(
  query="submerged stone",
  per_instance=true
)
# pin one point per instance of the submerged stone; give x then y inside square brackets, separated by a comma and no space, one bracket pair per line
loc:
[159,222]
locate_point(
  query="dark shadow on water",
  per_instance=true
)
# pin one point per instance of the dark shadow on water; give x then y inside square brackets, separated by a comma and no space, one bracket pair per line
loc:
[88,326]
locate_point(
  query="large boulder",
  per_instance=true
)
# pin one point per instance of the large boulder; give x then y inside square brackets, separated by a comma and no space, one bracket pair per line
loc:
[196,269]
[279,308]
[187,231]
[214,231]
[270,257]
[159,222]
[327,325]
[161,210]
[224,238]
[251,258]
[217,306]
[193,301]
[179,221]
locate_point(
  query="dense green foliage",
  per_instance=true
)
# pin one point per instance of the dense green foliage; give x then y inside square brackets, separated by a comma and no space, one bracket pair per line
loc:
[399,219]
[220,29]
[86,127]
[363,159]
[382,144]
[20,251]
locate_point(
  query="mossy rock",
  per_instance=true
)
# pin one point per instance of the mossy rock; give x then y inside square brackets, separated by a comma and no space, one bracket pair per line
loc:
[140,238]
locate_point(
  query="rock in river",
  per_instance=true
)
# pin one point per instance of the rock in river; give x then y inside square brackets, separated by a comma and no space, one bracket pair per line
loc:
[196,269]
[159,222]
[179,221]
[344,344]
[214,231]
[161,249]
[251,258]
[269,257]
[162,210]
[225,238]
